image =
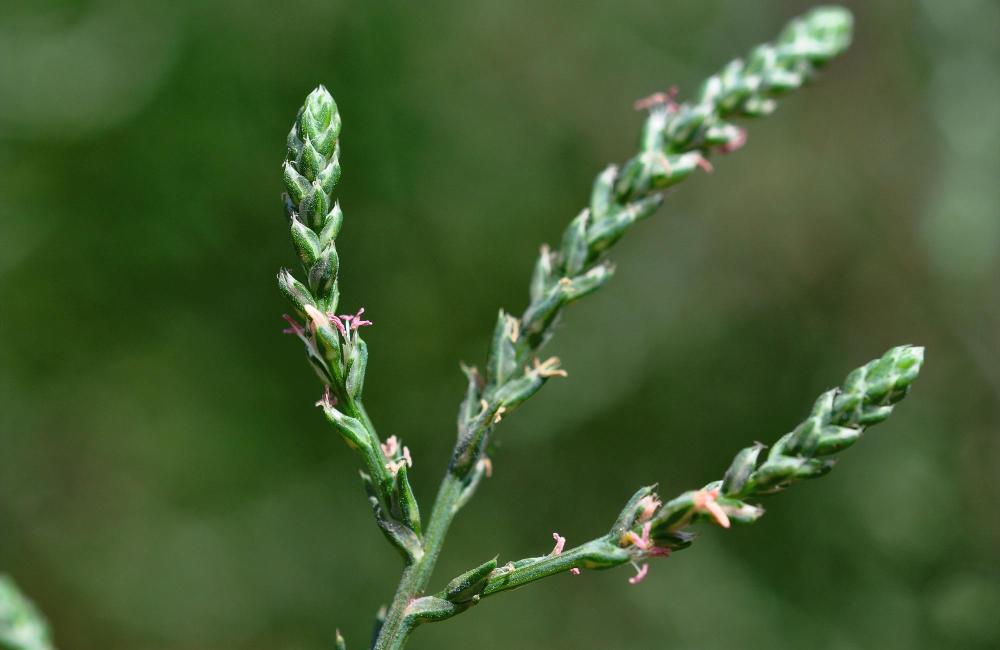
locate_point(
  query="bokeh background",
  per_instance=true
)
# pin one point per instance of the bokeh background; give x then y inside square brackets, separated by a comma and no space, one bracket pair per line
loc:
[165,482]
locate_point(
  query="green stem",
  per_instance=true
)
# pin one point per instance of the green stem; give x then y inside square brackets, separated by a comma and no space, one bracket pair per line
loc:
[416,575]
[595,554]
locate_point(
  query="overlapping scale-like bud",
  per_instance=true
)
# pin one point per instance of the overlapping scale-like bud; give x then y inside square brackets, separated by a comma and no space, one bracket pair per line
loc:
[311,171]
[838,419]
[333,342]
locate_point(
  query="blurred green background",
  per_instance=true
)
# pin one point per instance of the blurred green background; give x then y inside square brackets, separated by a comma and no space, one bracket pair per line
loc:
[165,482]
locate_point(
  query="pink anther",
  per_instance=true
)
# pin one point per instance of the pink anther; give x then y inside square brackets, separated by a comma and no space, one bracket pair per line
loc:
[640,575]
[648,505]
[736,143]
[353,322]
[293,326]
[560,544]
[704,501]
[658,99]
[390,446]
[328,400]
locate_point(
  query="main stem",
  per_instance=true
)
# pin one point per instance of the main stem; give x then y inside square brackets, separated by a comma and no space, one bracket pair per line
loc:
[417,574]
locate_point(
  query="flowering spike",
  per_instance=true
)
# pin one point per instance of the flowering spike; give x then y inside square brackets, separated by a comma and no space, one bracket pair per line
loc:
[676,141]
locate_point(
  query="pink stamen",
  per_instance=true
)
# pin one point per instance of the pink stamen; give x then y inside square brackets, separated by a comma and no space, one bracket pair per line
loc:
[643,543]
[560,544]
[736,143]
[294,326]
[649,505]
[640,575]
[705,165]
[390,446]
[406,457]
[353,322]
[575,571]
[339,324]
[328,400]
[659,551]
[658,99]
[704,501]
[631,538]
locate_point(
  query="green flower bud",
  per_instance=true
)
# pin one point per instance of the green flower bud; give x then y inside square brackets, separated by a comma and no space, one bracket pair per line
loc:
[406,502]
[503,350]
[627,518]
[323,273]
[351,429]
[470,583]
[605,233]
[602,196]
[295,184]
[311,162]
[741,468]
[574,244]
[295,291]
[357,364]
[541,278]
[332,223]
[306,243]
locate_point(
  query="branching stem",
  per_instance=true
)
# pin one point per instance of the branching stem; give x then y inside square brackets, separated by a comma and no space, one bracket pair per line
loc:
[417,574]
